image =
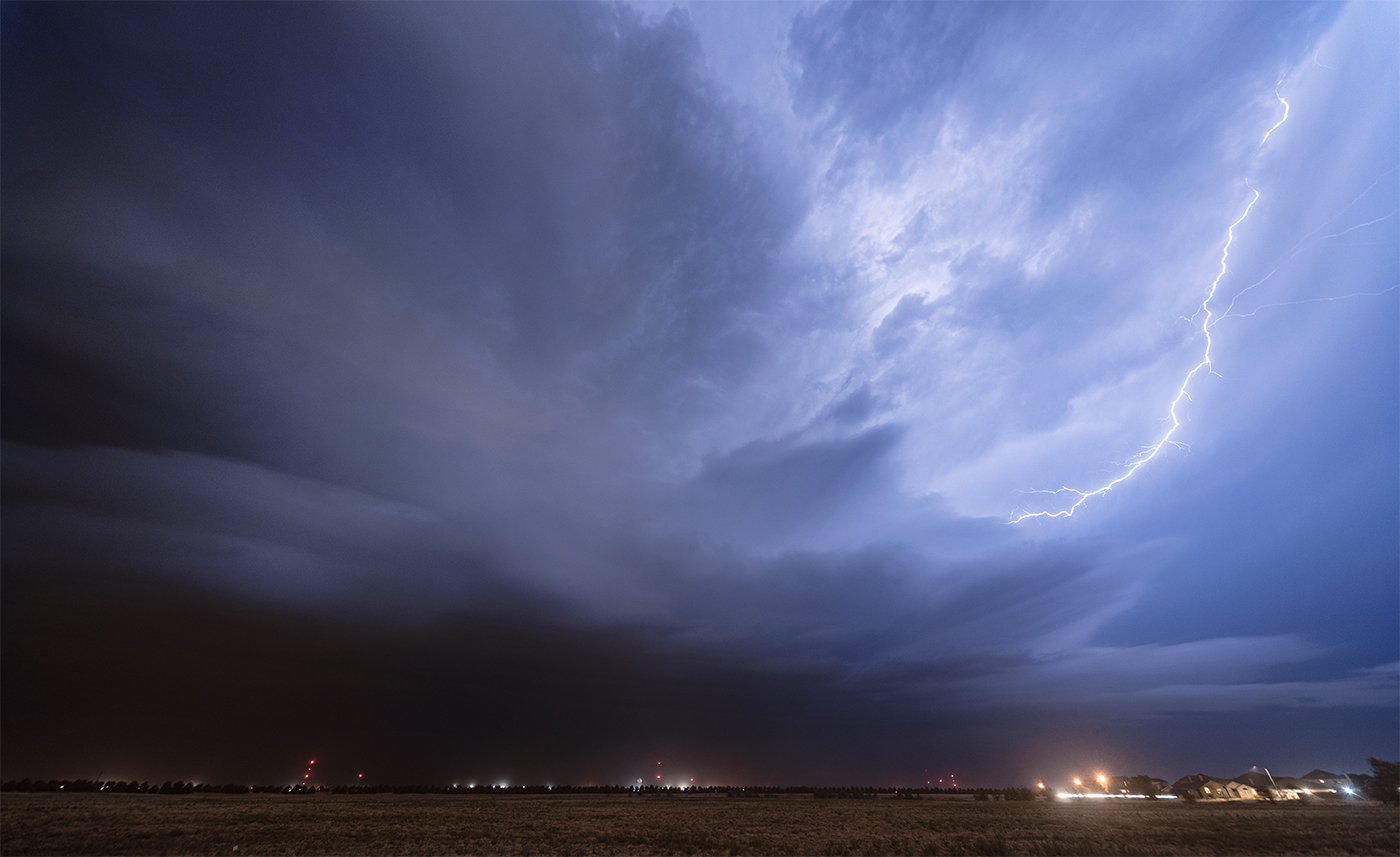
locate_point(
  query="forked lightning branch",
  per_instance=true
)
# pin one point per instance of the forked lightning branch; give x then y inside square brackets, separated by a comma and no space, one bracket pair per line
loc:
[1205,316]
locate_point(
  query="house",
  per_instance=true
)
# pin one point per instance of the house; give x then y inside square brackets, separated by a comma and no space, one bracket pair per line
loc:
[1242,791]
[1205,787]
[1320,783]
[1126,786]
[1199,787]
[1280,788]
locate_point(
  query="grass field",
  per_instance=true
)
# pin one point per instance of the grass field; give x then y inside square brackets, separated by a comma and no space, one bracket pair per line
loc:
[702,824]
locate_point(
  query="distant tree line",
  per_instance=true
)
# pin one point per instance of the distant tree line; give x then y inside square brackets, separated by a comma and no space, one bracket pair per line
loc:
[121,787]
[184,788]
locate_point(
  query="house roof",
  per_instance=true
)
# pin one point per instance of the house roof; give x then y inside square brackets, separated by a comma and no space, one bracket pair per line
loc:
[1320,774]
[1257,779]
[1194,780]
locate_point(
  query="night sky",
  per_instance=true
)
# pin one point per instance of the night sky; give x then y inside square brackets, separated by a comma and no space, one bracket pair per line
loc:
[527,393]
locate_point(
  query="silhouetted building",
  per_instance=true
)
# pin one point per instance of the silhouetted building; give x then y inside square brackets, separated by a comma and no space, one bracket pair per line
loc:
[1320,783]
[1281,788]
[1205,787]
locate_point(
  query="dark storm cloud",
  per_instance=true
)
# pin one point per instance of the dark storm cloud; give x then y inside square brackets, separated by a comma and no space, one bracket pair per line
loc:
[486,698]
[440,658]
[147,675]
[259,534]
[586,210]
[481,374]
[413,272]
[108,358]
[767,492]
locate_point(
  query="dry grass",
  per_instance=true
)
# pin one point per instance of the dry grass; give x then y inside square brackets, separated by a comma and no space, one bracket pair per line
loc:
[702,824]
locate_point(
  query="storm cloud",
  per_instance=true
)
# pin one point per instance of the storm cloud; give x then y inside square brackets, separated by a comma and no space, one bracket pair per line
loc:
[530,390]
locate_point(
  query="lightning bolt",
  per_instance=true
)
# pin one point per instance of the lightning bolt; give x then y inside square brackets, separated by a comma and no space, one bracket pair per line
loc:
[1255,311]
[1206,316]
[1279,122]
[1208,319]
[1308,241]
[1142,458]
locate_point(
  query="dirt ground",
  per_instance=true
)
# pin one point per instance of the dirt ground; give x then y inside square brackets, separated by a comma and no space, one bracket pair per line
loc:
[701,824]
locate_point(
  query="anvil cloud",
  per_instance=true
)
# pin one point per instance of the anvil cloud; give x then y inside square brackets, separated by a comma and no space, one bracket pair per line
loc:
[532,391]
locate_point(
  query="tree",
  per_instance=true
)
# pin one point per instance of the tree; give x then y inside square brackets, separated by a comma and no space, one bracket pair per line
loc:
[1141,785]
[1384,782]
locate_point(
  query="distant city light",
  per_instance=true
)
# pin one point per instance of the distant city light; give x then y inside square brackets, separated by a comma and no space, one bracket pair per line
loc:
[1096,795]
